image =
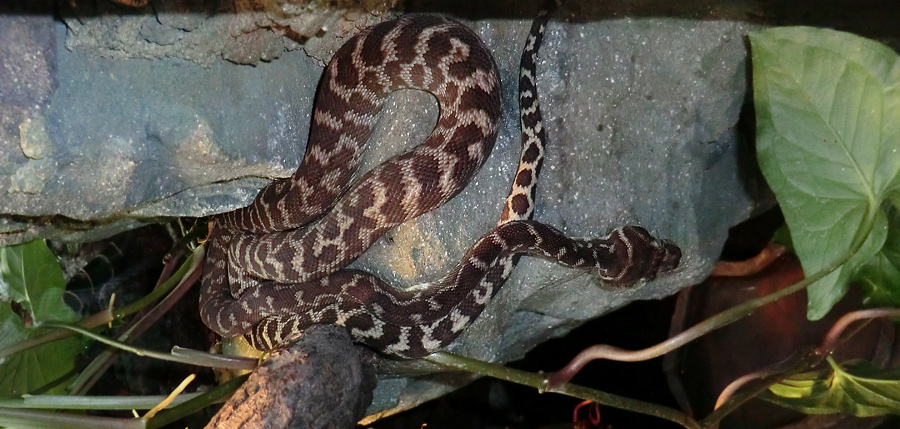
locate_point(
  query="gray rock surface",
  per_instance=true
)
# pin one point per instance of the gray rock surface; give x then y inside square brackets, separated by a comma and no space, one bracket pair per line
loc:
[206,31]
[641,115]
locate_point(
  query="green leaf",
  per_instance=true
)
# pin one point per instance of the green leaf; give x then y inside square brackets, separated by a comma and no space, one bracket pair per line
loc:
[859,389]
[880,276]
[34,281]
[828,129]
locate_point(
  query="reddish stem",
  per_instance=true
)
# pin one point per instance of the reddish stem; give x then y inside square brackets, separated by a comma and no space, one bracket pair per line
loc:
[751,266]
[831,339]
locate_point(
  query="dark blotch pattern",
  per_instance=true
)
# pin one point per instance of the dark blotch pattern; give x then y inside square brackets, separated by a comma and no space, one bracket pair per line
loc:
[277,266]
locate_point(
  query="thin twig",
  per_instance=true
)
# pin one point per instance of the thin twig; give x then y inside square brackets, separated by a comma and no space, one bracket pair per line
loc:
[751,266]
[777,369]
[538,381]
[87,378]
[830,341]
[753,388]
[168,400]
[784,369]
[715,322]
[229,362]
[219,393]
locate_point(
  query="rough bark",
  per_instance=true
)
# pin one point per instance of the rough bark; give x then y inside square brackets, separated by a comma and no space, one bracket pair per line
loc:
[320,381]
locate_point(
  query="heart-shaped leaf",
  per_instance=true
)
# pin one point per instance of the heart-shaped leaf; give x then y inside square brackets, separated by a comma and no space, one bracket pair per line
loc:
[828,140]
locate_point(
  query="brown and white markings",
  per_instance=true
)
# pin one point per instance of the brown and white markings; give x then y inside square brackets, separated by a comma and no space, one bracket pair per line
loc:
[520,202]
[270,275]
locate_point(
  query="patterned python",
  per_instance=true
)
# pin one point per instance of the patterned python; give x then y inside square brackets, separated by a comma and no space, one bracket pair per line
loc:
[277,266]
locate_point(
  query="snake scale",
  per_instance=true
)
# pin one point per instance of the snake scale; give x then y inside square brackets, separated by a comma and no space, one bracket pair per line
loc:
[277,266]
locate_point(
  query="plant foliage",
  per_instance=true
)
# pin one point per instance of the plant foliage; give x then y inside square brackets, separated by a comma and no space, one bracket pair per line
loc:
[828,139]
[31,289]
[859,389]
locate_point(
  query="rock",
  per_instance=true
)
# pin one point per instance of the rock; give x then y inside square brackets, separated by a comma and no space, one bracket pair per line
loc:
[155,32]
[205,31]
[27,82]
[641,114]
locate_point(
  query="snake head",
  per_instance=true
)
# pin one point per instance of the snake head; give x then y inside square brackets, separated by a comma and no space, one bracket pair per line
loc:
[635,255]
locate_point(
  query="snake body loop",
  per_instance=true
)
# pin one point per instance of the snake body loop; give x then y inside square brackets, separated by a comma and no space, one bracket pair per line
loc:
[278,266]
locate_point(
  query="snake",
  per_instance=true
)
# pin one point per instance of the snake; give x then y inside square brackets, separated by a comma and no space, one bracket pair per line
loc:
[279,265]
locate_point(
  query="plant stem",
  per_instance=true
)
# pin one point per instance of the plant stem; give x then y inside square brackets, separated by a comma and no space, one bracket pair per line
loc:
[720,320]
[49,419]
[170,398]
[214,360]
[69,402]
[831,339]
[93,321]
[216,394]
[163,289]
[538,381]
[209,361]
[139,325]
[105,316]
